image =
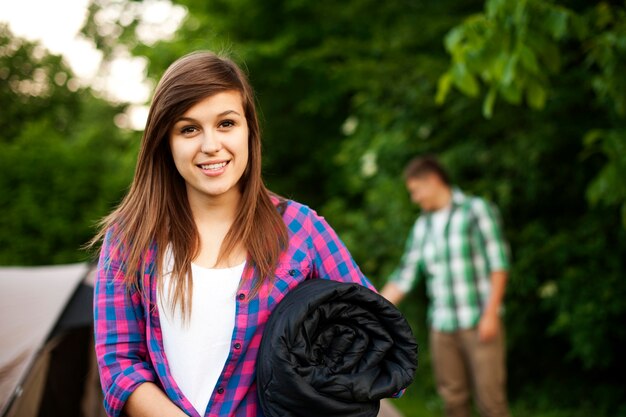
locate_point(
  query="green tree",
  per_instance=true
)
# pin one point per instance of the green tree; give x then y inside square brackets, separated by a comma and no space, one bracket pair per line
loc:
[63,163]
[517,49]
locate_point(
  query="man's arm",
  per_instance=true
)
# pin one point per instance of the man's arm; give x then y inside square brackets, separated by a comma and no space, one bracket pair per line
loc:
[403,278]
[489,325]
[392,292]
[497,252]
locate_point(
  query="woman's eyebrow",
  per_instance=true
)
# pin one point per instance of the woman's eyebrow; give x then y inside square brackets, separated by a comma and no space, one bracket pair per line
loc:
[193,120]
[184,119]
[224,113]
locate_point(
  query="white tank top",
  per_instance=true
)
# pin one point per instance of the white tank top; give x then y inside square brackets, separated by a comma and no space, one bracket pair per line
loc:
[198,349]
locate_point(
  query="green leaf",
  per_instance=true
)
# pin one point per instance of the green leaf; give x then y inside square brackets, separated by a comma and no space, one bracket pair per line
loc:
[536,96]
[511,93]
[489,102]
[551,57]
[556,23]
[464,80]
[510,70]
[494,7]
[528,59]
[592,137]
[443,87]
[454,38]
[499,66]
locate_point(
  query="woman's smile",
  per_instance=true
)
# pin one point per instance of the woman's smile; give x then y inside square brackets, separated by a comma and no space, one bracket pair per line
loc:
[213,169]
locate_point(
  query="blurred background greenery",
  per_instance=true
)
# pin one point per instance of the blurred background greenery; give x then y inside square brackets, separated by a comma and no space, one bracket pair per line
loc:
[524,101]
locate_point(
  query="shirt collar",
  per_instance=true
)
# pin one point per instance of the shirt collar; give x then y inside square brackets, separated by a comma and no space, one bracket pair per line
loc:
[457,196]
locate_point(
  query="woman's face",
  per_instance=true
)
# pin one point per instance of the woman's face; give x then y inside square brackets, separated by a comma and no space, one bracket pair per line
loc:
[209,145]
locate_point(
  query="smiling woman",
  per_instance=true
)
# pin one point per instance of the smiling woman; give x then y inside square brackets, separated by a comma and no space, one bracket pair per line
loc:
[209,146]
[199,229]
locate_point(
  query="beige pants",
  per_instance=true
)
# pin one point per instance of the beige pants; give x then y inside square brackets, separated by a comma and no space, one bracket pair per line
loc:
[462,362]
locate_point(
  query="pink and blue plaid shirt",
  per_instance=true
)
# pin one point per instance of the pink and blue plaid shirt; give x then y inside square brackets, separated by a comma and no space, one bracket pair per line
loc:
[128,339]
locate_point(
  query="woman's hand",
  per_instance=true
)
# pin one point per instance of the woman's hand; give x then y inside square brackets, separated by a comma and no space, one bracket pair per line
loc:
[148,400]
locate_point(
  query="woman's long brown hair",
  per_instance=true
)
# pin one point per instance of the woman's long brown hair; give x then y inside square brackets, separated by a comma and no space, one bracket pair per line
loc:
[155,212]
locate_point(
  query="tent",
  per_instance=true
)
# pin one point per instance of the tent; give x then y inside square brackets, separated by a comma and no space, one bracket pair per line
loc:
[47,365]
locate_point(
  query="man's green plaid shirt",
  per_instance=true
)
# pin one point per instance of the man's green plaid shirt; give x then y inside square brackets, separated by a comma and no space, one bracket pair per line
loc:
[457,262]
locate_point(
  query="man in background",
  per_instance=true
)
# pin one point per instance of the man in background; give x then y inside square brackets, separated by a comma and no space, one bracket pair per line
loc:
[458,246]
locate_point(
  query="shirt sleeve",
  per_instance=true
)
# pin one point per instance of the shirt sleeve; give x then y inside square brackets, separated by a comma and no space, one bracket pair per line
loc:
[331,259]
[119,325]
[405,274]
[490,226]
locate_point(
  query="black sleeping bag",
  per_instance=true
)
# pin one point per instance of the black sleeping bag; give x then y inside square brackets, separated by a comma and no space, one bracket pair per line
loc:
[333,349]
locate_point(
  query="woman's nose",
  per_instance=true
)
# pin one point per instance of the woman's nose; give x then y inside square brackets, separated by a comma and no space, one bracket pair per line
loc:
[210,143]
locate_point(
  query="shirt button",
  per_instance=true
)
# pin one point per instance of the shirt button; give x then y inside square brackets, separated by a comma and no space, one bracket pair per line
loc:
[237,345]
[220,390]
[242,296]
[292,272]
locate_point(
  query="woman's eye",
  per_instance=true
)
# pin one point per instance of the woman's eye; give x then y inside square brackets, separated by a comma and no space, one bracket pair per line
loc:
[226,123]
[187,130]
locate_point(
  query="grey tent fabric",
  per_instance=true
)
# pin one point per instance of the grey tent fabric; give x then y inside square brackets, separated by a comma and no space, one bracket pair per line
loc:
[32,300]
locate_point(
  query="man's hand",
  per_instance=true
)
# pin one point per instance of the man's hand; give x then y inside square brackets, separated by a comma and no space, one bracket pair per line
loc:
[489,324]
[392,293]
[488,327]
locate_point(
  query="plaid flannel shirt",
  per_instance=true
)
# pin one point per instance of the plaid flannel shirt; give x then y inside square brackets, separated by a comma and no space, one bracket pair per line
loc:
[128,339]
[457,265]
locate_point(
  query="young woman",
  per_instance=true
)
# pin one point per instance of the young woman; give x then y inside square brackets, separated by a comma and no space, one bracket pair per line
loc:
[199,252]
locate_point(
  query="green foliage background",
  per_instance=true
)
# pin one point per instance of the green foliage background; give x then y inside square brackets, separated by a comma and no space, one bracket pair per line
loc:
[62,160]
[524,101]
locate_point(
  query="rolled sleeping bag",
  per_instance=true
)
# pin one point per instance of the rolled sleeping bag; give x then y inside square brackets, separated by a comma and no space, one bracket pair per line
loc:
[333,349]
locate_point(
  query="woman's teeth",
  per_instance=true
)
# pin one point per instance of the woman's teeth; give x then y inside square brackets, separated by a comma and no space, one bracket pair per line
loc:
[213,167]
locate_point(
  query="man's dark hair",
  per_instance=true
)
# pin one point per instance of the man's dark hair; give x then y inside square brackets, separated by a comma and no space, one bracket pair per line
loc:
[424,165]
